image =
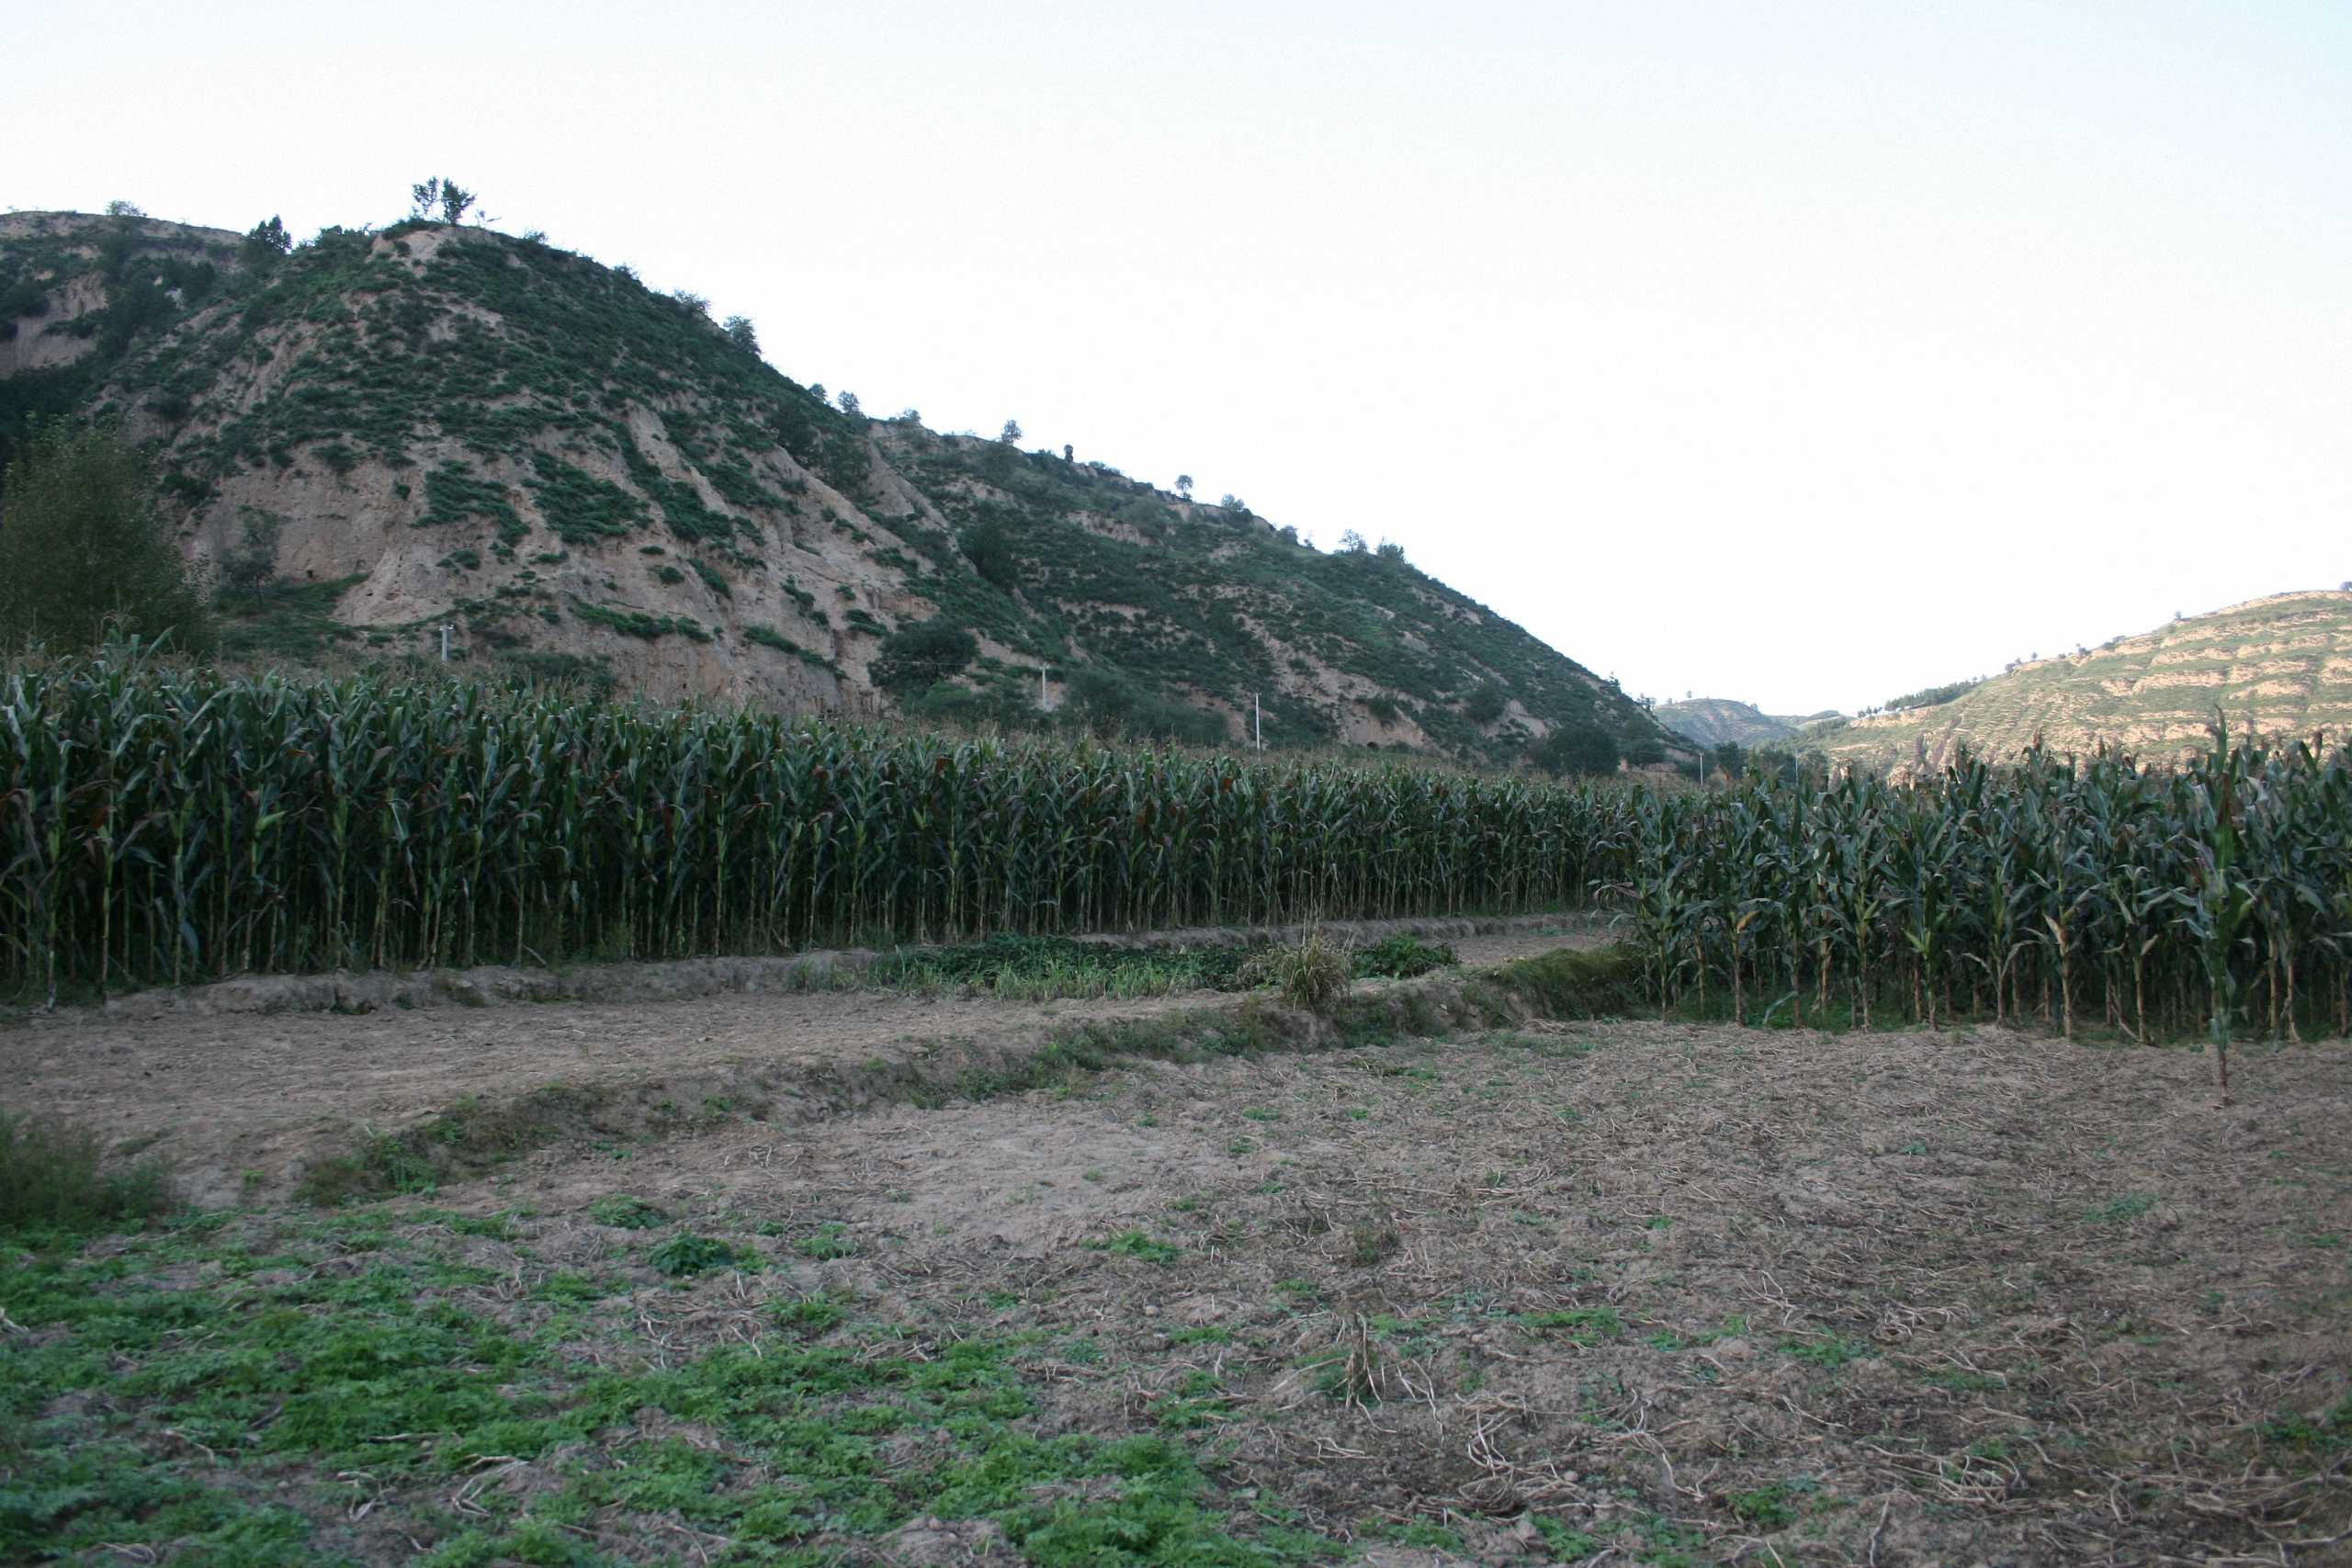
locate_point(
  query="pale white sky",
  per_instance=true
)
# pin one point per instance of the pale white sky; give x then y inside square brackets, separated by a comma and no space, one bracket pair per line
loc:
[1805,354]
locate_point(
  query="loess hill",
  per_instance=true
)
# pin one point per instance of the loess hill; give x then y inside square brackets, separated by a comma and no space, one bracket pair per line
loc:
[1713,721]
[2279,666]
[386,432]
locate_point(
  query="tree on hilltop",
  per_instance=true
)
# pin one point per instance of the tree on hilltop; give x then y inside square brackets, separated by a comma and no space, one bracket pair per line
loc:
[1184,486]
[1010,433]
[267,242]
[445,195]
[741,332]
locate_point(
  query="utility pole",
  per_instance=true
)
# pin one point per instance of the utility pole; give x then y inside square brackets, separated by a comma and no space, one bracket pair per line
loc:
[1044,704]
[1257,722]
[445,629]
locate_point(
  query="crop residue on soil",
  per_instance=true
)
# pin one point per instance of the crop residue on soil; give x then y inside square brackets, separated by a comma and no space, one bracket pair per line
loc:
[1678,1295]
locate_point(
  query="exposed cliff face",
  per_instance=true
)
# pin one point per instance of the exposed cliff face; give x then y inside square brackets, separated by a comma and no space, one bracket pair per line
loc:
[2277,666]
[393,432]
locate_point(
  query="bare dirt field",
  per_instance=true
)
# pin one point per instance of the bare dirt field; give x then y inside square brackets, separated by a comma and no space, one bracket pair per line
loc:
[1625,1293]
[238,1099]
[1891,1299]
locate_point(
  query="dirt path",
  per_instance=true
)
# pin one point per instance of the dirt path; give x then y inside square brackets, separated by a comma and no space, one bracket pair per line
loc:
[220,1095]
[228,1093]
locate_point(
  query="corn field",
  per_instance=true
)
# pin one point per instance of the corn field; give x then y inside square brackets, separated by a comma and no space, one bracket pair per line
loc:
[2050,892]
[163,825]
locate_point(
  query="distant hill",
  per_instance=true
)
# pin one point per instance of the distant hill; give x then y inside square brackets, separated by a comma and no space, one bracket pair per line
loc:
[1712,721]
[2279,666]
[385,432]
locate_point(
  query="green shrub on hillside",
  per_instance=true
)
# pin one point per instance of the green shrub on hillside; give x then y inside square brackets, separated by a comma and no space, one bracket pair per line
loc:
[83,553]
[1576,750]
[922,656]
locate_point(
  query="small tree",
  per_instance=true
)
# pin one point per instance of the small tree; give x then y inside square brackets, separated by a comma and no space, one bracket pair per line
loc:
[1580,749]
[1390,550]
[1352,542]
[83,551]
[1070,453]
[1232,502]
[1184,486]
[690,303]
[455,200]
[849,403]
[817,390]
[247,567]
[741,333]
[991,554]
[120,209]
[910,415]
[922,655]
[1012,433]
[265,242]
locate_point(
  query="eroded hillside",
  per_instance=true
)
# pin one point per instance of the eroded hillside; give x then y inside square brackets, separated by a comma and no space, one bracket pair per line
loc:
[2277,666]
[384,434]
[1715,721]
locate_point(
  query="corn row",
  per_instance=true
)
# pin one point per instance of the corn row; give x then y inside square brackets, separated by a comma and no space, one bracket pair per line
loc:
[2053,892]
[165,826]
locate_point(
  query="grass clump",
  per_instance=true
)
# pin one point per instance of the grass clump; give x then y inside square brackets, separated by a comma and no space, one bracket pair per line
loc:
[1401,957]
[1038,968]
[685,1255]
[1373,1242]
[828,1240]
[53,1178]
[1829,1351]
[2115,1210]
[1582,1326]
[1312,973]
[626,1211]
[1136,1244]
[2326,1435]
[1775,1506]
